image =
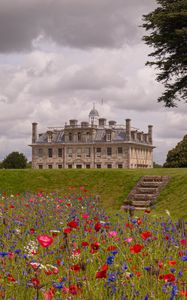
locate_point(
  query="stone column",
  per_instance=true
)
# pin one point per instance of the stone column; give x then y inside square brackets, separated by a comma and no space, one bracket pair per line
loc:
[34,132]
[128,129]
[150,134]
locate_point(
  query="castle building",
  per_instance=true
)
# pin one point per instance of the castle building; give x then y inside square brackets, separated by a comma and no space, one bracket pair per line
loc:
[93,144]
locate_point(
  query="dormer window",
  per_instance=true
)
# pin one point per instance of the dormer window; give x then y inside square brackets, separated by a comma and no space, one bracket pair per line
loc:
[108,136]
[49,136]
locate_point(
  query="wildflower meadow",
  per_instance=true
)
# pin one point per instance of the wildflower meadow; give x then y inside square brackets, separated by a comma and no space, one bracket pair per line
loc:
[56,246]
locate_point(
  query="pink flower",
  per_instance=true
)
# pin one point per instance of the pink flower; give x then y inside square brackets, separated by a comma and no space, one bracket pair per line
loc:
[48,295]
[112,233]
[129,239]
[183,242]
[85,216]
[45,240]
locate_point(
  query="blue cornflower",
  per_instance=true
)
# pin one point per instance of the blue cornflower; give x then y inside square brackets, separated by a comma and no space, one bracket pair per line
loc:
[3,254]
[17,251]
[114,252]
[184,258]
[58,285]
[110,260]
[172,270]
[148,268]
[124,267]
[146,297]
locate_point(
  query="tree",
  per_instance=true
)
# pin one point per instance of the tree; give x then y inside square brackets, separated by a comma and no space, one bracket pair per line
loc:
[177,157]
[168,37]
[15,160]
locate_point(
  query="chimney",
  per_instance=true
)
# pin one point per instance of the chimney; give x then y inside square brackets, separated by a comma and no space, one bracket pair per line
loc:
[84,124]
[73,123]
[112,123]
[128,129]
[150,134]
[102,122]
[34,132]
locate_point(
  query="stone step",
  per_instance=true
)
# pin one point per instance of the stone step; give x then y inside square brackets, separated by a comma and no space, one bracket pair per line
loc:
[152,180]
[149,184]
[141,203]
[145,197]
[146,190]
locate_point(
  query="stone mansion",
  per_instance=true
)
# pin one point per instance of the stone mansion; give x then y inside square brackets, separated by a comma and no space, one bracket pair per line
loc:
[93,144]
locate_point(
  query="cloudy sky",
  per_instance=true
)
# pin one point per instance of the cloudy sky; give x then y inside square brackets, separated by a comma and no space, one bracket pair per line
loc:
[58,57]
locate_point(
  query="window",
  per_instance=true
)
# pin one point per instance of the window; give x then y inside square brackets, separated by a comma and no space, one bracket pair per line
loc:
[108,136]
[60,166]
[70,137]
[50,166]
[98,166]
[79,136]
[50,152]
[79,152]
[40,152]
[79,166]
[109,166]
[49,137]
[109,151]
[98,151]
[120,150]
[59,152]
[69,166]
[69,152]
[40,166]
[120,166]
[87,152]
[87,166]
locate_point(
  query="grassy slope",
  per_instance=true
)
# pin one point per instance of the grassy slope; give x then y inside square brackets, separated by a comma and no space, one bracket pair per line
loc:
[112,185]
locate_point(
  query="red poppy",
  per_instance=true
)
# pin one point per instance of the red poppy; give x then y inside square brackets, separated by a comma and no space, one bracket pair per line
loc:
[32,231]
[45,240]
[76,251]
[67,230]
[146,234]
[183,293]
[169,277]
[129,225]
[101,274]
[35,281]
[147,211]
[136,248]
[172,262]
[97,226]
[85,244]
[183,242]
[73,224]
[111,248]
[139,221]
[75,268]
[80,198]
[74,290]
[94,247]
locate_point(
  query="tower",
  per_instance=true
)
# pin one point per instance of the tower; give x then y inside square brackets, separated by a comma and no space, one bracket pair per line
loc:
[93,116]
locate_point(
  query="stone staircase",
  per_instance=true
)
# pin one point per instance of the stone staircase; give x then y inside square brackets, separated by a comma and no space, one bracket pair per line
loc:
[144,194]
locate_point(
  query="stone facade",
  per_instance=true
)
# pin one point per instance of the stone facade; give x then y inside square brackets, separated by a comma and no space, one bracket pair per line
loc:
[93,144]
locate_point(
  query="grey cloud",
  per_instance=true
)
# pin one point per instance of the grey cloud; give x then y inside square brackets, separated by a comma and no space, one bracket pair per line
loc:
[80,23]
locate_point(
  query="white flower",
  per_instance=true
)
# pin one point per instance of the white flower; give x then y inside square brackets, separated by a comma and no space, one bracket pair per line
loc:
[167,212]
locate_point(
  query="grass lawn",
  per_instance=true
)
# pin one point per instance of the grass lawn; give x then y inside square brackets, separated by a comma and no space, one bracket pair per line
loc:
[113,186]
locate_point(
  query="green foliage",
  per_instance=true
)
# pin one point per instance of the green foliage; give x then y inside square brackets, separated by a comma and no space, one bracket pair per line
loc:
[168,37]
[15,160]
[155,165]
[177,157]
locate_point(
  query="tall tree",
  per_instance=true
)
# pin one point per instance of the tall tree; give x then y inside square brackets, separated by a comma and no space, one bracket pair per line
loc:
[15,160]
[177,157]
[168,37]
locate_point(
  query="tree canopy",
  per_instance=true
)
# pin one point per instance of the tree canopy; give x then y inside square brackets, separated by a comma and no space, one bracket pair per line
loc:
[168,37]
[15,160]
[177,157]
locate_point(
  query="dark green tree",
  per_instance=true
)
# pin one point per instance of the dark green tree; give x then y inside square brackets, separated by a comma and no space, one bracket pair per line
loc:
[167,26]
[15,160]
[177,157]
